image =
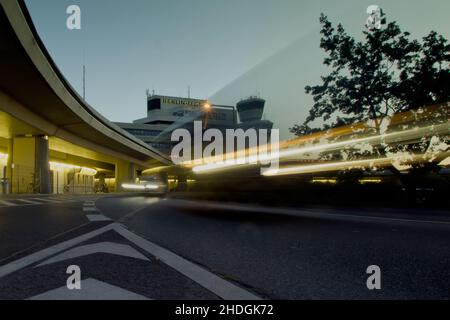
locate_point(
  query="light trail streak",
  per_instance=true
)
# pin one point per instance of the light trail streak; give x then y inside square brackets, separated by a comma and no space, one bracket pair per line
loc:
[130,186]
[336,166]
[388,138]
[423,115]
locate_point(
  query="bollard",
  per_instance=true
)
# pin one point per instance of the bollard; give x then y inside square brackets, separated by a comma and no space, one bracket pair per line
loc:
[5,186]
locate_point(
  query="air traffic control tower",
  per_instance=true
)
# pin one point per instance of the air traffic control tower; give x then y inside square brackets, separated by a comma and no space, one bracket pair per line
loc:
[250,112]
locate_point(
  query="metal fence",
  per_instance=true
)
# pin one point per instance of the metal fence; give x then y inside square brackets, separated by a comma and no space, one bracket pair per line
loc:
[25,180]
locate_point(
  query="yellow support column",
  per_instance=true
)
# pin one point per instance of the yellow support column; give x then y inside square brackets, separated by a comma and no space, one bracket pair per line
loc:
[22,166]
[125,173]
[28,165]
[9,166]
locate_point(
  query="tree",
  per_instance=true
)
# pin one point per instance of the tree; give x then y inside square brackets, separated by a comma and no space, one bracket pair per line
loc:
[372,79]
[427,80]
[386,73]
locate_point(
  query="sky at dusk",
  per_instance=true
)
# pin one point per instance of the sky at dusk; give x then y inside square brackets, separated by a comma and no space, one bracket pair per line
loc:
[225,50]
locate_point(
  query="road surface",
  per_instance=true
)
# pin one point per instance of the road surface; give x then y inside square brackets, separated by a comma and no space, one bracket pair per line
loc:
[137,246]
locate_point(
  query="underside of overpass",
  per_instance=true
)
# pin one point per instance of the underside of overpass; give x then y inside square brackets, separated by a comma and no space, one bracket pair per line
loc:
[33,162]
[51,140]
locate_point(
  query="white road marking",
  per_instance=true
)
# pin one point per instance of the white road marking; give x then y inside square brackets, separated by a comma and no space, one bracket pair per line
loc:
[59,199]
[91,289]
[43,254]
[46,200]
[97,217]
[215,284]
[35,201]
[101,247]
[90,209]
[89,204]
[28,201]
[66,198]
[220,287]
[7,203]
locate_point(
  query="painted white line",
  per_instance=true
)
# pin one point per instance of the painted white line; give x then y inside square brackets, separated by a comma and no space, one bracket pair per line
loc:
[60,199]
[90,209]
[89,204]
[101,247]
[7,203]
[220,287]
[43,254]
[45,200]
[63,198]
[28,201]
[97,217]
[91,289]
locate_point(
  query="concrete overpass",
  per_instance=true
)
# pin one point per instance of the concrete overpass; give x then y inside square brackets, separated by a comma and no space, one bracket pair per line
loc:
[49,136]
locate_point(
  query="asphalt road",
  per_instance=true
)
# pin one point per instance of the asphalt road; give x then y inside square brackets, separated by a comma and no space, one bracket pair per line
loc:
[273,253]
[24,226]
[283,256]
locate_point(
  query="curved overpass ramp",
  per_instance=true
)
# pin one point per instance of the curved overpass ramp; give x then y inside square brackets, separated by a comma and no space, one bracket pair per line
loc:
[42,118]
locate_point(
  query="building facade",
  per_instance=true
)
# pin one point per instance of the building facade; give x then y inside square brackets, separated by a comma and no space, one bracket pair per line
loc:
[166,114]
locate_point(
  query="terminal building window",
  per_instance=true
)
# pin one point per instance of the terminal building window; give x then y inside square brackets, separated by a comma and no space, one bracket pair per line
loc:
[160,122]
[154,104]
[161,146]
[143,132]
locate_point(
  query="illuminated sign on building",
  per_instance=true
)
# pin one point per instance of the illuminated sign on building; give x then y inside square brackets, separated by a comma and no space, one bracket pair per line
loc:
[183,102]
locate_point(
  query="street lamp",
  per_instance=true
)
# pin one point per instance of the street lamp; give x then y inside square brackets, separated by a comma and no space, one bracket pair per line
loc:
[206,109]
[207,106]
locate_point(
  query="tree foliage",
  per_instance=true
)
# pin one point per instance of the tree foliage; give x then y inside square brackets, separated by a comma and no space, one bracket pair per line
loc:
[383,74]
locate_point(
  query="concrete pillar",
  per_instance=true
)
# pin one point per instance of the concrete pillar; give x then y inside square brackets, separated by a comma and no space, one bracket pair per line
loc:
[23,165]
[42,165]
[29,168]
[164,178]
[182,183]
[132,172]
[9,165]
[125,173]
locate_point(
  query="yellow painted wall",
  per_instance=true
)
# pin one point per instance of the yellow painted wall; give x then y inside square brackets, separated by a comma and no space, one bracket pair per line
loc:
[3,163]
[111,183]
[59,181]
[21,169]
[23,161]
[3,151]
[78,184]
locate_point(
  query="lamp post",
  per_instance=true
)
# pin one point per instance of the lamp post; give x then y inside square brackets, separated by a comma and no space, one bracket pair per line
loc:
[206,110]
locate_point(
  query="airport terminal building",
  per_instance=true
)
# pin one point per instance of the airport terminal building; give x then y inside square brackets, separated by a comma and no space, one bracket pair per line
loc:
[167,113]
